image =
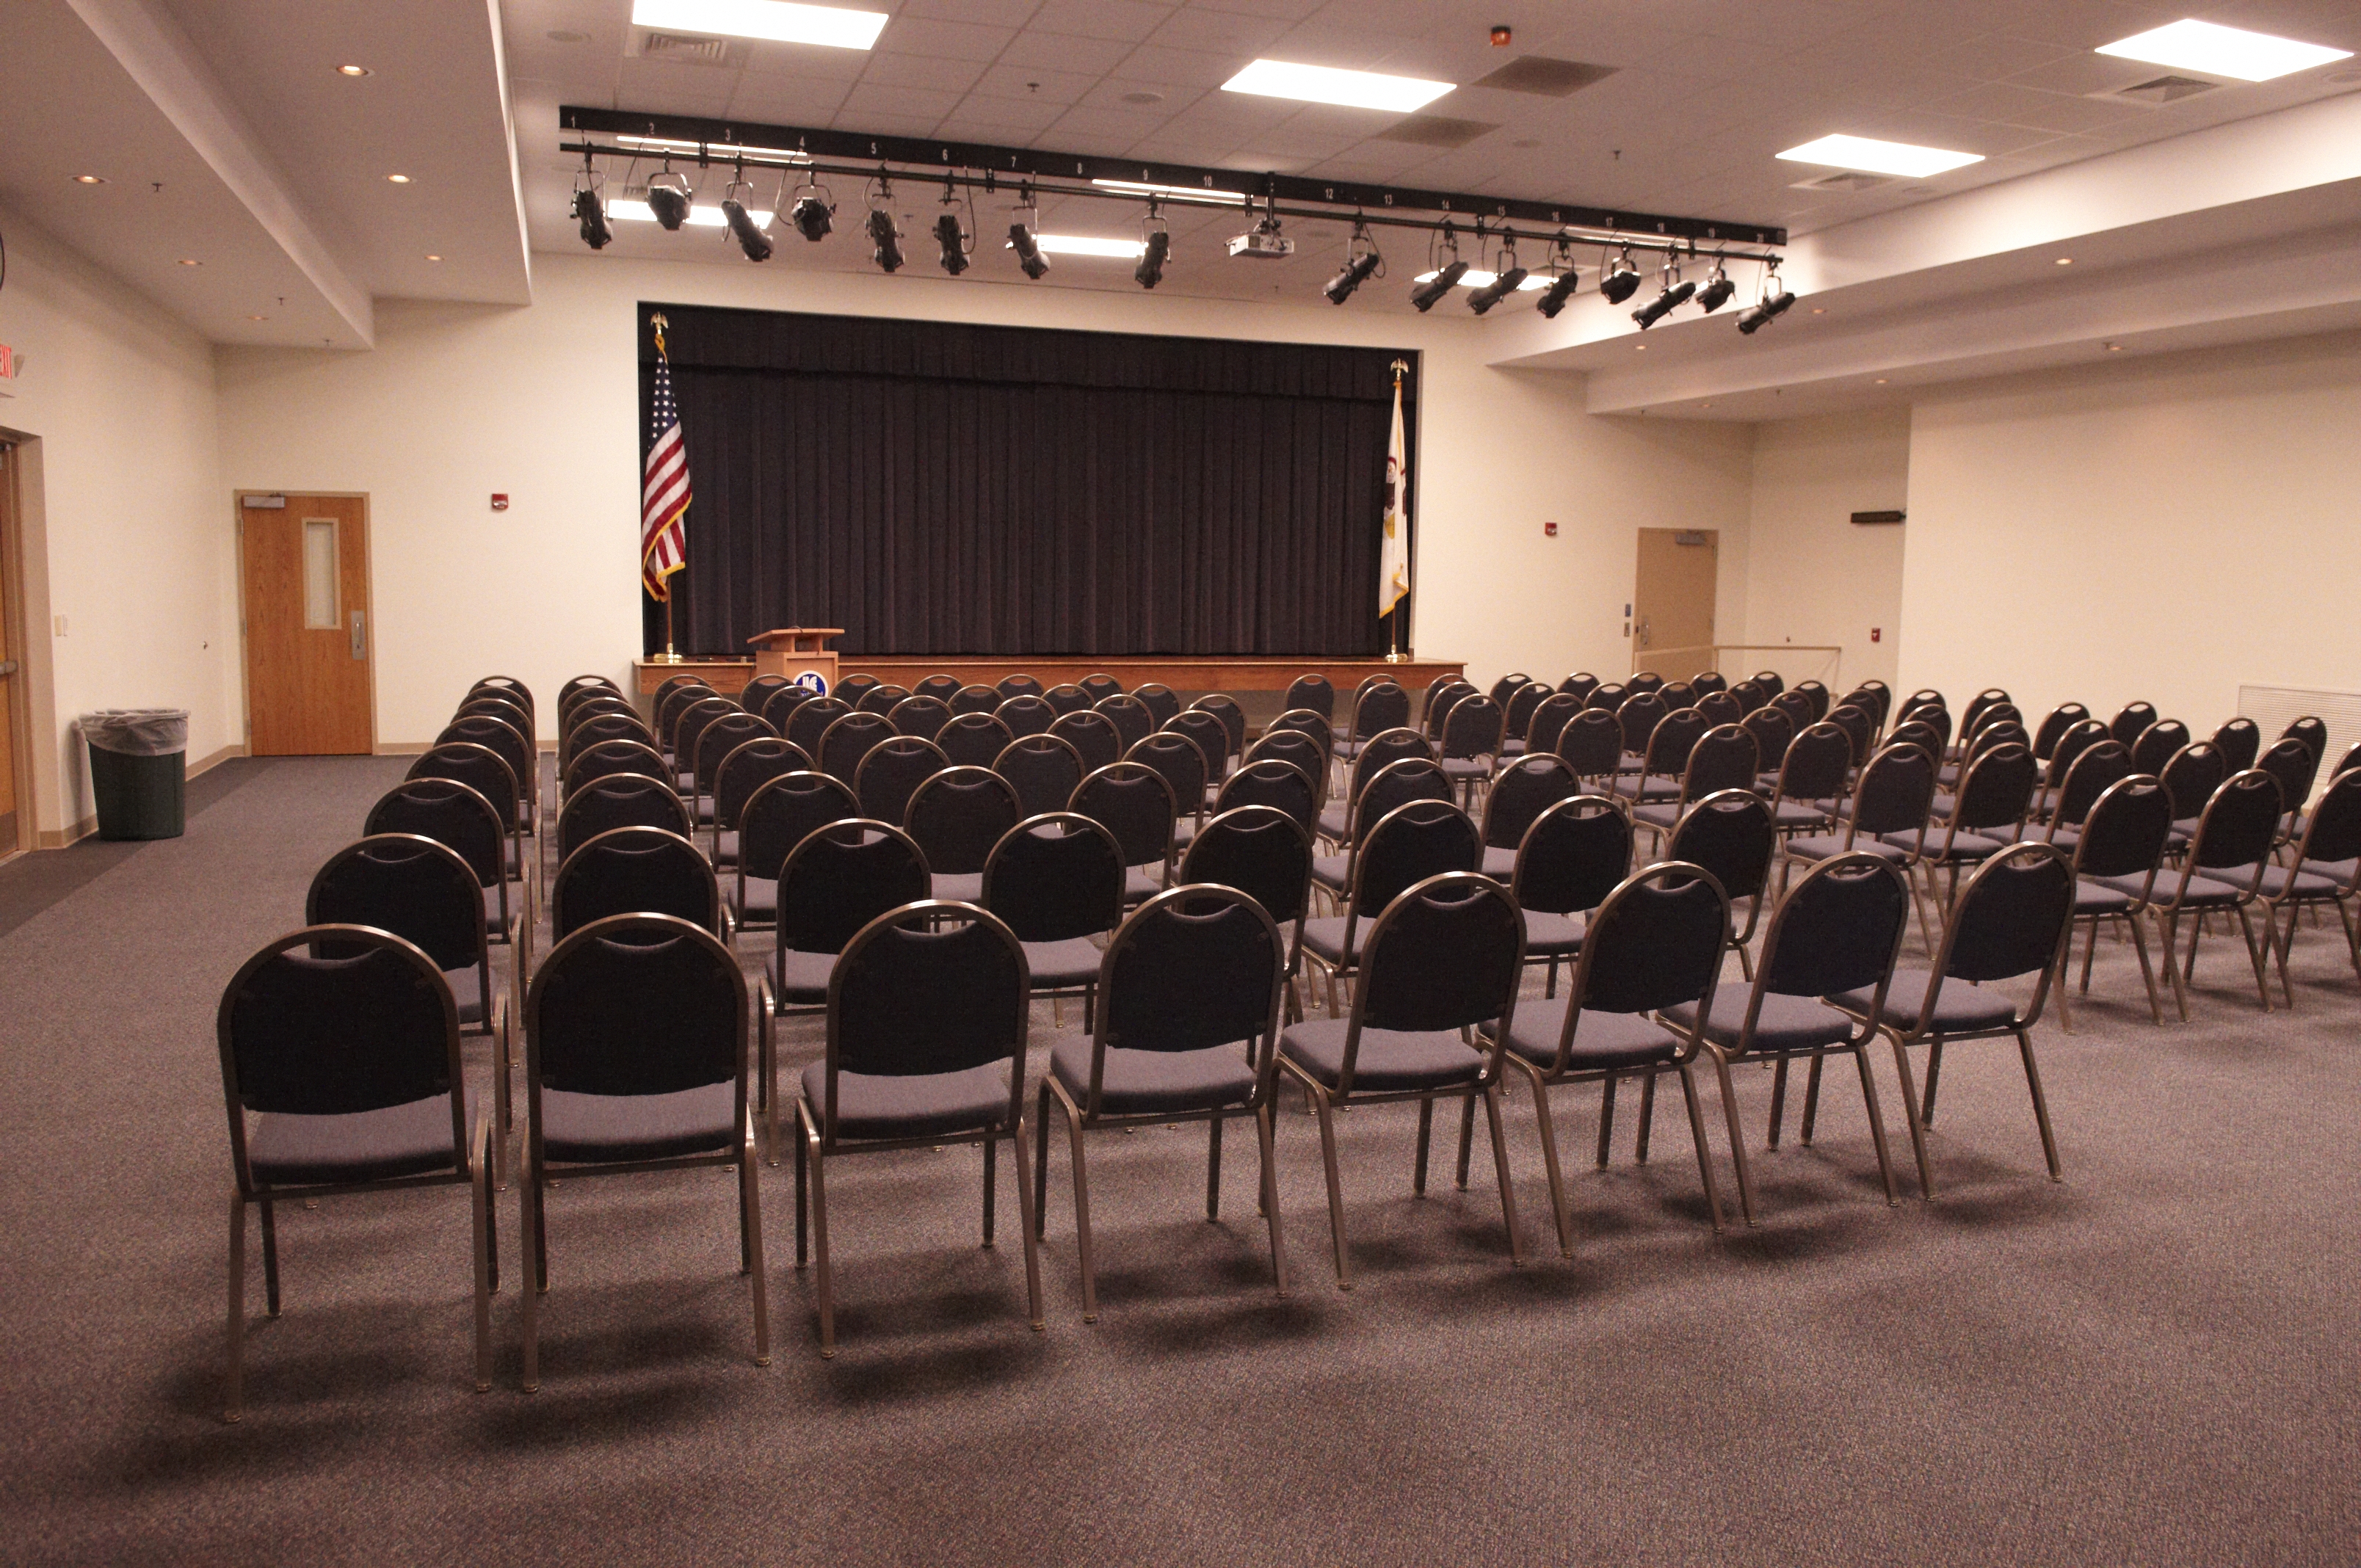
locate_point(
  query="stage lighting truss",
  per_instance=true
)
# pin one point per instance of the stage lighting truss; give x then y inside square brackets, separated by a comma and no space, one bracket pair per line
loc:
[1362,263]
[671,201]
[884,236]
[1155,240]
[1025,224]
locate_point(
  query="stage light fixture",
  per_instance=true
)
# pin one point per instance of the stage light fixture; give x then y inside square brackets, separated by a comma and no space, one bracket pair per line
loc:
[743,227]
[813,212]
[887,239]
[1770,307]
[1021,238]
[1445,279]
[953,241]
[669,199]
[1672,292]
[1716,291]
[589,213]
[1360,265]
[1506,278]
[1560,291]
[1150,271]
[1620,280]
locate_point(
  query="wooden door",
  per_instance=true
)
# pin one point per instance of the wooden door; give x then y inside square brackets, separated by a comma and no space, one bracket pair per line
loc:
[14,803]
[1671,601]
[309,639]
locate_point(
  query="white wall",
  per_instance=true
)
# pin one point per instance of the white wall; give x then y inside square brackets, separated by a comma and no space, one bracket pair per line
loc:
[457,402]
[131,537]
[1812,576]
[2165,529]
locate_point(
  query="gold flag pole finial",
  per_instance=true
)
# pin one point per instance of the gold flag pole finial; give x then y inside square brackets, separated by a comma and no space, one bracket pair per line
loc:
[660,323]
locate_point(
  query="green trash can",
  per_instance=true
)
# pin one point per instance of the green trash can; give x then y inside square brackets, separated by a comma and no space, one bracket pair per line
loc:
[138,770]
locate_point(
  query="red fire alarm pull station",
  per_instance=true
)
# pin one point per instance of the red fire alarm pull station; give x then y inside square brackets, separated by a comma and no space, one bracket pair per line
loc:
[1877,633]
[499,500]
[1549,530]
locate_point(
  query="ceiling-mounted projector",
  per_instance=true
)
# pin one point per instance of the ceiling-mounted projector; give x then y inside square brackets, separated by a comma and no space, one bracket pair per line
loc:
[1263,243]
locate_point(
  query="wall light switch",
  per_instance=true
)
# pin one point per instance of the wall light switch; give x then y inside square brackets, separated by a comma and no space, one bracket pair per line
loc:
[61,626]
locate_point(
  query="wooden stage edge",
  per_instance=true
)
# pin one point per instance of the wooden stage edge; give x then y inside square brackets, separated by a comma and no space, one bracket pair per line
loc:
[1243,675]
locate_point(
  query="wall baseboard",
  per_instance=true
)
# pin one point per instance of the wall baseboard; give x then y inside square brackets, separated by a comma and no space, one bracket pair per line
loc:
[206,764]
[402,748]
[56,838]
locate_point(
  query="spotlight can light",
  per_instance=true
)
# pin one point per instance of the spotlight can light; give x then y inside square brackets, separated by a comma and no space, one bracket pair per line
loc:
[1447,278]
[590,218]
[886,238]
[1768,308]
[952,240]
[1356,271]
[1716,291]
[669,199]
[1150,271]
[748,236]
[1021,239]
[1672,298]
[1503,285]
[1620,280]
[813,212]
[1560,291]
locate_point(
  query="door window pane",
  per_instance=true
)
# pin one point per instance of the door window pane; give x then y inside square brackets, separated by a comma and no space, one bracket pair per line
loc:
[320,609]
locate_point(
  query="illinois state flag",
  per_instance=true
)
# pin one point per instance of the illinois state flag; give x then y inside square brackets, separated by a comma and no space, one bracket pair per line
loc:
[1393,549]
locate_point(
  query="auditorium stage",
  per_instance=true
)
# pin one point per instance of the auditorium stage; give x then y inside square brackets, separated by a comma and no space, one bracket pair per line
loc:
[1236,675]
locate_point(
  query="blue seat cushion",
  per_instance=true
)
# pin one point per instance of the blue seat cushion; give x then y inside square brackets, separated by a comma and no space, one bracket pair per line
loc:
[1794,816]
[919,1106]
[600,1127]
[411,1139]
[2310,883]
[1141,883]
[963,887]
[725,847]
[1964,847]
[2203,893]
[1155,1083]
[1658,813]
[1784,1024]
[1960,1009]
[1652,786]
[800,979]
[1549,936]
[1332,822]
[1500,864]
[1330,871]
[1828,846]
[1391,1060]
[467,990]
[1063,965]
[1466,767]
[1601,1040]
[2097,898]
[1324,938]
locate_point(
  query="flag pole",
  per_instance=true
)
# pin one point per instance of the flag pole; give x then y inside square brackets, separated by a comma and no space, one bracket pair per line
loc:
[1396,653]
[670,655]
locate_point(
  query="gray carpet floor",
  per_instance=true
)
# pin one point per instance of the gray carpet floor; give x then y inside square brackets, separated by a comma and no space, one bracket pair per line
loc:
[2158,1362]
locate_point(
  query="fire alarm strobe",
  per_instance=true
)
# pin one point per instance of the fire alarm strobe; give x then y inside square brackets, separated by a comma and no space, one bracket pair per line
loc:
[1500,36]
[1549,530]
[500,501]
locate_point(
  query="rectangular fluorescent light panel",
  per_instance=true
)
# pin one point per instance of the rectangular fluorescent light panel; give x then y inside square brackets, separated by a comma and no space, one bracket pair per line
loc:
[1325,84]
[1172,192]
[703,216]
[1876,157]
[2216,50]
[779,21]
[1088,245]
[1476,277]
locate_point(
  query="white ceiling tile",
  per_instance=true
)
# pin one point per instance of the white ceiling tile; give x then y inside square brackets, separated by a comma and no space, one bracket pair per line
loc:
[789,100]
[1220,32]
[942,40]
[1000,120]
[806,60]
[934,75]
[1066,51]
[905,105]
[1186,68]
[986,13]
[2057,112]
[1172,98]
[1129,19]
[1034,82]
[1285,10]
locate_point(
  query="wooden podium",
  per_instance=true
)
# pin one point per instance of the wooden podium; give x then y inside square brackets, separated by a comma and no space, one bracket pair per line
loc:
[798,652]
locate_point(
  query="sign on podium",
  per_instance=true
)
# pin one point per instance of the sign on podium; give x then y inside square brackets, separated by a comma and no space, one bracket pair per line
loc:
[800,653]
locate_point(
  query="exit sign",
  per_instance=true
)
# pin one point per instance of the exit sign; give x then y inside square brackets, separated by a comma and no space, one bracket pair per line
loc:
[8,363]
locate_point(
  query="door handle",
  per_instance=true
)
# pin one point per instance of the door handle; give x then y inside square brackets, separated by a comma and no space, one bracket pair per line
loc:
[360,638]
[8,666]
[1643,630]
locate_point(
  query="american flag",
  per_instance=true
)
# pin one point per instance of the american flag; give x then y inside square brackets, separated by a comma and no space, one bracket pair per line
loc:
[663,491]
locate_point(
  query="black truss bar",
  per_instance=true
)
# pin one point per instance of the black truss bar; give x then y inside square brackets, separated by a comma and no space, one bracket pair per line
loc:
[1022,163]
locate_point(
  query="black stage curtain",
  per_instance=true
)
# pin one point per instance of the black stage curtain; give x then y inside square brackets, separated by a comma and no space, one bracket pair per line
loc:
[943,488]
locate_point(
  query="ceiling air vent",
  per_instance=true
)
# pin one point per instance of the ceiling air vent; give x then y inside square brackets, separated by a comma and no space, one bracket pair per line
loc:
[2160,90]
[1844,179]
[680,49]
[1547,78]
[1435,130]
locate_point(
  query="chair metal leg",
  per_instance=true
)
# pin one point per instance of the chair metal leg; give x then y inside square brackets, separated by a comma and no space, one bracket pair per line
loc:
[2166,932]
[1319,1107]
[1547,1126]
[1778,1102]
[503,1070]
[2255,956]
[1811,1100]
[2089,952]
[479,1204]
[824,1277]
[270,1258]
[1425,1135]
[2282,947]
[1214,1169]
[750,1212]
[1264,1136]
[1647,1117]
[1074,1141]
[1876,1124]
[1500,1164]
[1737,1140]
[1934,1077]
[991,1174]
[234,1360]
[2147,971]
[2040,1104]
[536,1274]
[2059,969]
[1606,1118]
[768,1069]
[803,1190]
[1467,1136]
[1910,1110]
[1041,1161]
